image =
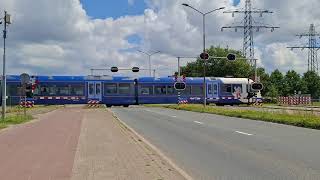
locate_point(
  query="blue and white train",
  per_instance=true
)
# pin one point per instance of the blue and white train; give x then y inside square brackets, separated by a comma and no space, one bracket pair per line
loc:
[125,91]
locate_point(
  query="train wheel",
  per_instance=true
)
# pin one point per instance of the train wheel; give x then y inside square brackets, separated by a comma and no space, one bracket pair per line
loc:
[126,105]
[108,105]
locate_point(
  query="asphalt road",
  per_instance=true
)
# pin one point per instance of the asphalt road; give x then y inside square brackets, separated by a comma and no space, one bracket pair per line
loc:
[216,147]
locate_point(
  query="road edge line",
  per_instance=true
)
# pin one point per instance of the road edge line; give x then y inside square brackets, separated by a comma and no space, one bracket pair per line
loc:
[154,148]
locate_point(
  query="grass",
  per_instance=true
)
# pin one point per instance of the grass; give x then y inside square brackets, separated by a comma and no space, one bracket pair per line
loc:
[305,119]
[15,114]
[14,119]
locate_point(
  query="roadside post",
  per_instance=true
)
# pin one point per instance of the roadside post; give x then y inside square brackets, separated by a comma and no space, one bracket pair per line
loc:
[25,79]
[180,85]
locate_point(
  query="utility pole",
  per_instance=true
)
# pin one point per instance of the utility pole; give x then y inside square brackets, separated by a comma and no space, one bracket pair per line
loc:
[248,26]
[312,46]
[6,21]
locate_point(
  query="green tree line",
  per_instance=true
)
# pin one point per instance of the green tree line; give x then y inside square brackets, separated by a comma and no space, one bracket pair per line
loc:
[275,84]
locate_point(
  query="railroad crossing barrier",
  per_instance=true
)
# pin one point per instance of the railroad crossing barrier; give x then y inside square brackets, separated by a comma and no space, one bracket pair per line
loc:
[295,100]
[93,104]
[27,104]
[182,101]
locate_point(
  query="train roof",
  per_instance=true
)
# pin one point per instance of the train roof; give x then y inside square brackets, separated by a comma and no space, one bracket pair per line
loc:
[234,80]
[16,78]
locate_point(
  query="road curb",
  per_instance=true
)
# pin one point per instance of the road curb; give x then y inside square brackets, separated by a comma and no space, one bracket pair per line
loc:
[154,148]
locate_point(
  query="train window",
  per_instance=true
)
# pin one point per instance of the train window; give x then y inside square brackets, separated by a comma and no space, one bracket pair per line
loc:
[160,90]
[226,88]
[52,90]
[110,88]
[170,90]
[237,88]
[98,88]
[77,90]
[209,88]
[124,88]
[187,91]
[215,89]
[197,90]
[60,90]
[12,90]
[91,89]
[146,90]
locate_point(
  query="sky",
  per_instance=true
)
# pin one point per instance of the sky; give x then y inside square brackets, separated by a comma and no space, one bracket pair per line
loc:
[69,37]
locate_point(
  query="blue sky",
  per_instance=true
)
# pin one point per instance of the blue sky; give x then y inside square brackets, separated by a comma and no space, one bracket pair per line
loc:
[115,8]
[236,2]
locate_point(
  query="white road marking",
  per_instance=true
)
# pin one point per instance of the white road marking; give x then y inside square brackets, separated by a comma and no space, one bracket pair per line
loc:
[174,116]
[198,122]
[244,133]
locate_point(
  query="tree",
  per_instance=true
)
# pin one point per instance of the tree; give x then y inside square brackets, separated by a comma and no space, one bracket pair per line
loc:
[312,82]
[219,67]
[277,79]
[272,92]
[292,82]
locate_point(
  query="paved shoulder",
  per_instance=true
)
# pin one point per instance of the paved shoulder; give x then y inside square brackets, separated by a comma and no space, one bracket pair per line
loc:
[108,150]
[42,149]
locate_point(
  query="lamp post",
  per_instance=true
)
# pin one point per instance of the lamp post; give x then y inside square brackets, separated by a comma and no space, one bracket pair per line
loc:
[6,21]
[204,47]
[149,55]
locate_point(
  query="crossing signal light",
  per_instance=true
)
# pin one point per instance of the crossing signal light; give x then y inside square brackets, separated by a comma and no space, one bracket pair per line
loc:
[256,86]
[114,69]
[135,69]
[180,86]
[231,57]
[204,56]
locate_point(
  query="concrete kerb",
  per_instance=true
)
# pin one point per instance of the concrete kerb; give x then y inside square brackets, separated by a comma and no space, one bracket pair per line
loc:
[154,148]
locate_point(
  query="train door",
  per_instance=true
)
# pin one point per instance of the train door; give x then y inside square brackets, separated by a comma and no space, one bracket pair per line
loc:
[94,90]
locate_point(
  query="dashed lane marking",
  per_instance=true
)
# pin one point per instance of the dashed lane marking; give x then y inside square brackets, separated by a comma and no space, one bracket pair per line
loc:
[244,133]
[198,122]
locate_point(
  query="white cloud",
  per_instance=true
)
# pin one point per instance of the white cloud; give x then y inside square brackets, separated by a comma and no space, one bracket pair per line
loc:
[58,37]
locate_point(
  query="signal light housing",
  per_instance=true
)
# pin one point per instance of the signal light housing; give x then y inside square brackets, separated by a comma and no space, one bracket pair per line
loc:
[180,86]
[204,56]
[114,69]
[135,69]
[231,57]
[256,86]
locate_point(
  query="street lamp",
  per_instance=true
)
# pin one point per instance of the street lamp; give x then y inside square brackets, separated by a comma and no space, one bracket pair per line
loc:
[149,55]
[204,47]
[6,21]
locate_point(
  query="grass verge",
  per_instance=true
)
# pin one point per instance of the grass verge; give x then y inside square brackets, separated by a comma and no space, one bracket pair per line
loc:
[14,119]
[15,114]
[307,120]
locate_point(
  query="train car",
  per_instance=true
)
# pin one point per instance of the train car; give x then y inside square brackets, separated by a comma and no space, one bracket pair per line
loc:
[231,91]
[162,91]
[125,91]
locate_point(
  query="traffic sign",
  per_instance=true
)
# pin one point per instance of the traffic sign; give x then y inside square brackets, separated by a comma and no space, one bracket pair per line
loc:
[180,86]
[204,56]
[25,78]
